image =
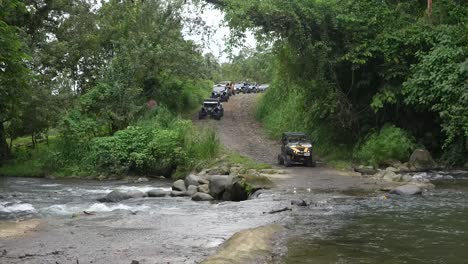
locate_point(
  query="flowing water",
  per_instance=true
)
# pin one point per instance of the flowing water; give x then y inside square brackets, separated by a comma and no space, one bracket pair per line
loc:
[336,227]
[432,228]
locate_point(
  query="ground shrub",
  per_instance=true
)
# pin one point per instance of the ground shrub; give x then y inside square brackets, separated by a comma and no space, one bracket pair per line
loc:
[390,143]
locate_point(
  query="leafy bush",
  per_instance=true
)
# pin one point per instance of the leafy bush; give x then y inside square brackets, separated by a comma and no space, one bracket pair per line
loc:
[390,143]
[138,150]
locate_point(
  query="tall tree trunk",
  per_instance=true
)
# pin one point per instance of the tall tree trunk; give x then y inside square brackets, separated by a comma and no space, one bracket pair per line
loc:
[5,152]
[429,7]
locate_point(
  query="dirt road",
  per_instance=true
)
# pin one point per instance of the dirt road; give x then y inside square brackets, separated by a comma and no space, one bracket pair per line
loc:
[240,131]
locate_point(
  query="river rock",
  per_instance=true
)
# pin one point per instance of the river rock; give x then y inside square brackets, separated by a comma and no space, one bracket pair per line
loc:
[142,179]
[392,169]
[234,171]
[256,194]
[221,170]
[179,185]
[299,202]
[192,180]
[178,194]
[239,191]
[391,176]
[136,194]
[202,180]
[253,172]
[406,178]
[402,167]
[202,197]
[114,197]
[204,188]
[421,159]
[366,170]
[191,190]
[218,185]
[157,193]
[408,189]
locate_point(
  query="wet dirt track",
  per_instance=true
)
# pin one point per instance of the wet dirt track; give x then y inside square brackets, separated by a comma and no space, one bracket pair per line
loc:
[239,131]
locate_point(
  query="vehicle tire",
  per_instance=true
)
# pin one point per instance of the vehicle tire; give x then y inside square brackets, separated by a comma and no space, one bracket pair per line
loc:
[287,161]
[217,116]
[200,116]
[280,160]
[310,162]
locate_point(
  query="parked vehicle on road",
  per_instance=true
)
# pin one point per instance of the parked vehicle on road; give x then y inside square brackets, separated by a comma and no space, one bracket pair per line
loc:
[296,148]
[220,92]
[211,108]
[253,87]
[238,87]
[263,87]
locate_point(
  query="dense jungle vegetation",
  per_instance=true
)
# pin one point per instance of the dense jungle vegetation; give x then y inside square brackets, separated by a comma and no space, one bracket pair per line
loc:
[92,89]
[99,90]
[369,80]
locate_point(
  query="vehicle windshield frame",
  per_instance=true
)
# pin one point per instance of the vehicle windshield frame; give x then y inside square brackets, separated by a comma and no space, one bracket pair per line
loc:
[210,104]
[298,139]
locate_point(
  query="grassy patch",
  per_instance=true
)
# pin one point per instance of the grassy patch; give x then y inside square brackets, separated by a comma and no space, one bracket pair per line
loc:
[246,163]
[258,182]
[27,162]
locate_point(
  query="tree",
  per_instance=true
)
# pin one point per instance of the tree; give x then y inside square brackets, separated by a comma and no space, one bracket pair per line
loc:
[13,70]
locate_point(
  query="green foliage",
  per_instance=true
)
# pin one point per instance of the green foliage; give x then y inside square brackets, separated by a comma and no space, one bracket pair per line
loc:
[345,68]
[390,143]
[438,83]
[253,65]
[137,150]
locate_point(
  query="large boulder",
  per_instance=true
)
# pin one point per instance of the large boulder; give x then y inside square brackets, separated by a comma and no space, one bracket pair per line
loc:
[192,180]
[157,193]
[204,188]
[114,197]
[191,190]
[202,197]
[179,185]
[421,159]
[218,185]
[409,189]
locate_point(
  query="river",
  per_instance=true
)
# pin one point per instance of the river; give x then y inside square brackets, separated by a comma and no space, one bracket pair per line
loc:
[337,226]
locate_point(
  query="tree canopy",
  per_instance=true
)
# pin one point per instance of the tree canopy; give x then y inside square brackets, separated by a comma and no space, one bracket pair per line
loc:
[358,65]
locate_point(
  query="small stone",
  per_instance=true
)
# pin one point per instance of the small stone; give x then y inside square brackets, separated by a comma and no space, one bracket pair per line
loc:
[299,202]
[406,178]
[142,179]
[115,196]
[191,190]
[202,197]
[157,193]
[392,169]
[179,186]
[192,180]
[202,181]
[178,194]
[409,189]
[391,176]
[204,188]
